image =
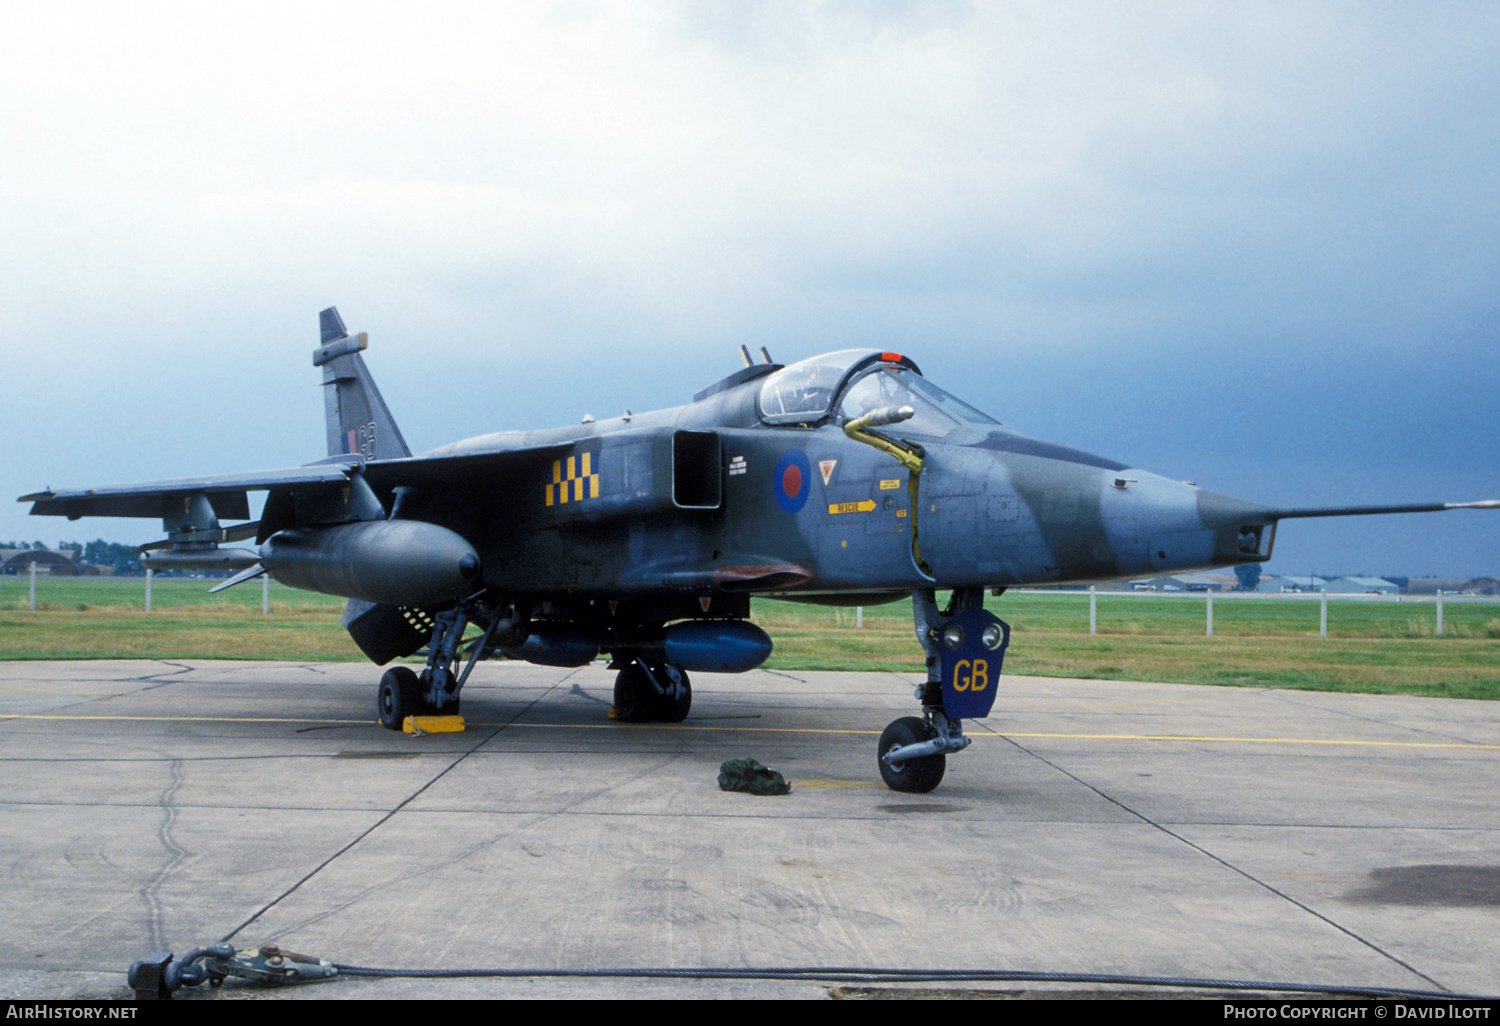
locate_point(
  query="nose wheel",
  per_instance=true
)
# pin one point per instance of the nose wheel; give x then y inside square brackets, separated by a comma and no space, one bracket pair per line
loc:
[916,774]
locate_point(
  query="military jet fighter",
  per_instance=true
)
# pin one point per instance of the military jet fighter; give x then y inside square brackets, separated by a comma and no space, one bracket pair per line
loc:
[845,479]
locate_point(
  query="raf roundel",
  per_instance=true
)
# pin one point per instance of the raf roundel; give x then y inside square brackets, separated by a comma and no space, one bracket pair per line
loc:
[793,478]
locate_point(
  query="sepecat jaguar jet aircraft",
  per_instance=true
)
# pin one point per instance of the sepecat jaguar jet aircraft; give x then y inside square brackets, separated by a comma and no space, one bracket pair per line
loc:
[845,479]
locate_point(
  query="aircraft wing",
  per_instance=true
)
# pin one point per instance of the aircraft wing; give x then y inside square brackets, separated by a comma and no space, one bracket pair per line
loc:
[337,490]
[226,493]
[190,501]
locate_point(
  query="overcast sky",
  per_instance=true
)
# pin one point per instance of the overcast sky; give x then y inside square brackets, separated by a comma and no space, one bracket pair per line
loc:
[1256,246]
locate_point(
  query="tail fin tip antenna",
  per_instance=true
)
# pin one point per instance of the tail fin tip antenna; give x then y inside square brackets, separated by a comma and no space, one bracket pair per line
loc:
[332,325]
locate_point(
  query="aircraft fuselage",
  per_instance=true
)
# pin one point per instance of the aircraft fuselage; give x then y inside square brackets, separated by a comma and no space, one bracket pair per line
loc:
[707,498]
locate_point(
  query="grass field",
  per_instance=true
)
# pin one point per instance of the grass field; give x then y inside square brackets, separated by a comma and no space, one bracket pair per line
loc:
[1375,647]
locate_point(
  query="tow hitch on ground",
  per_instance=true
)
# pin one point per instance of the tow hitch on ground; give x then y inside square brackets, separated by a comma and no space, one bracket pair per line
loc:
[157,976]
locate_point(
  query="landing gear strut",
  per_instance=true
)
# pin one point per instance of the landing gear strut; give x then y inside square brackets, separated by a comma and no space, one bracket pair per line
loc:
[435,691]
[965,646]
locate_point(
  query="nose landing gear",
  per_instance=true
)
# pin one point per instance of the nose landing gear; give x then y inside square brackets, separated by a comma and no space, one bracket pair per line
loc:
[965,647]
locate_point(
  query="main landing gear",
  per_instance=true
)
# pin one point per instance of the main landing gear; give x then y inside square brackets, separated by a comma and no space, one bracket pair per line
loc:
[400,696]
[652,692]
[434,692]
[647,690]
[965,647]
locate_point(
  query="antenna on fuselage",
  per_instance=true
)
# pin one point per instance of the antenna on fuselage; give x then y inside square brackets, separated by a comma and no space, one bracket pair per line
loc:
[766,354]
[745,355]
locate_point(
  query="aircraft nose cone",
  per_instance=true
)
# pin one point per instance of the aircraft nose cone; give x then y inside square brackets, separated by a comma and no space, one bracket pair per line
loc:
[1216,510]
[1242,531]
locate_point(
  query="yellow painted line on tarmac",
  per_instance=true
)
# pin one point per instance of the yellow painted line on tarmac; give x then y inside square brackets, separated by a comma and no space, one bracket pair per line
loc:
[1011,734]
[177,719]
[690,727]
[1248,740]
[706,727]
[839,785]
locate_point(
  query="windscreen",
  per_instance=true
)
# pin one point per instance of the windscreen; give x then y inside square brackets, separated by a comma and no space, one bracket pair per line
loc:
[937,412]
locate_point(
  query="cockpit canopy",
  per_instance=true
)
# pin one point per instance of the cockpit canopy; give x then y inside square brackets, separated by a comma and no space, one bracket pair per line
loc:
[852,382]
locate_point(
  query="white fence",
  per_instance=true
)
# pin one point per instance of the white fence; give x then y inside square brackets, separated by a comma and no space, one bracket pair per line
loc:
[1323,598]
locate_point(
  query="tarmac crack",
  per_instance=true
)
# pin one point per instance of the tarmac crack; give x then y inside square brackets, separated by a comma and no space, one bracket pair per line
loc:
[154,679]
[355,841]
[448,861]
[151,892]
[400,806]
[1332,709]
[1231,867]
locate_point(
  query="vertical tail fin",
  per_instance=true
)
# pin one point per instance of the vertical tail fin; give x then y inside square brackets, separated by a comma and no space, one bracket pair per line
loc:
[358,421]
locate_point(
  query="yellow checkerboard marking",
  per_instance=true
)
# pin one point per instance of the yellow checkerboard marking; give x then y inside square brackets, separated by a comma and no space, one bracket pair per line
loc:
[581,480]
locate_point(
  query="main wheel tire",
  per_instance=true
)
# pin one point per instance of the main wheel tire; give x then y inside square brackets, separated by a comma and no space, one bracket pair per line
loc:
[914,776]
[400,696]
[672,709]
[635,699]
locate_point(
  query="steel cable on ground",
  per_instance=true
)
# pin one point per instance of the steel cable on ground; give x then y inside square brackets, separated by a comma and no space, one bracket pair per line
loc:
[852,974]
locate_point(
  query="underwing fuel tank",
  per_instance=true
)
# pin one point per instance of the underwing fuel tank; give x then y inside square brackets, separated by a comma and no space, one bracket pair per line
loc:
[557,645]
[710,646]
[392,562]
[716,646]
